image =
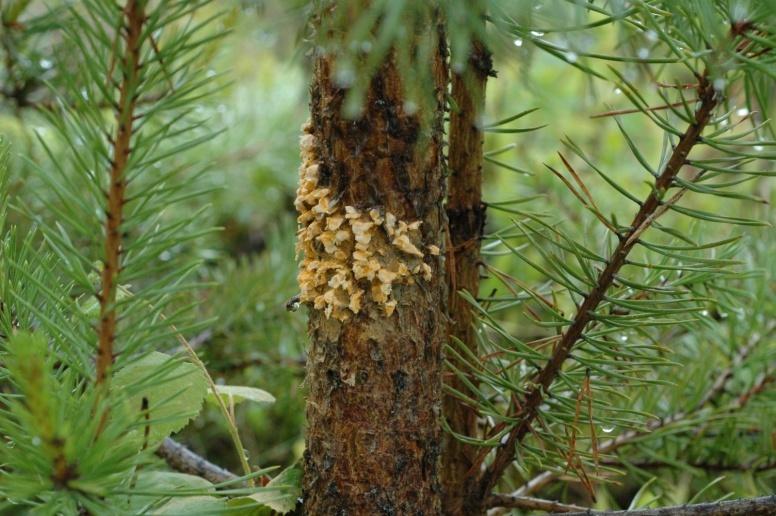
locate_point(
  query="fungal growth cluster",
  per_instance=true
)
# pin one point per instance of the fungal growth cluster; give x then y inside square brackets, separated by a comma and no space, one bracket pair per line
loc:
[351,257]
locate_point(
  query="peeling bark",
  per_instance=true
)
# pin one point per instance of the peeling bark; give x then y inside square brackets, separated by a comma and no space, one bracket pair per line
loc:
[374,377]
[466,219]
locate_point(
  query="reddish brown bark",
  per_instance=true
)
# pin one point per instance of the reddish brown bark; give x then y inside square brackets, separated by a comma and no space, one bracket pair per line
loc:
[466,219]
[132,28]
[374,376]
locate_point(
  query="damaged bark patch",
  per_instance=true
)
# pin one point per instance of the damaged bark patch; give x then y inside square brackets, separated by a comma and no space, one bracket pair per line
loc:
[351,256]
[371,219]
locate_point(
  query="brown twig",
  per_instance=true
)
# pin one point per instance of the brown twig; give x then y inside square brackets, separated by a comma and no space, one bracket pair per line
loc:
[530,503]
[650,209]
[763,506]
[180,458]
[132,28]
[746,467]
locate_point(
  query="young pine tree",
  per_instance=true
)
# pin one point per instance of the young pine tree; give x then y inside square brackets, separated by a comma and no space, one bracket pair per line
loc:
[95,295]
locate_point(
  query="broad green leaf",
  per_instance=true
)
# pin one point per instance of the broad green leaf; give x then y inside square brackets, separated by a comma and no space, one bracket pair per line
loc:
[154,487]
[173,392]
[288,482]
[191,505]
[234,394]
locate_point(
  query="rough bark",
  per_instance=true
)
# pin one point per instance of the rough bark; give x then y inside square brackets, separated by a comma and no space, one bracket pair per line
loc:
[374,363]
[466,219]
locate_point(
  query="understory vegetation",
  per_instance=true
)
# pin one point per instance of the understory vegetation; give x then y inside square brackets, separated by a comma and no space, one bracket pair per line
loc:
[620,351]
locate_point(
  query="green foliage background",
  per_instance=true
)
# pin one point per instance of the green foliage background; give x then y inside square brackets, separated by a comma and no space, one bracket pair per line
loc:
[248,267]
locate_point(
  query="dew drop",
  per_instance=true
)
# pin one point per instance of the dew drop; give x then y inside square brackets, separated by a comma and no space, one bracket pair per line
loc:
[705,313]
[651,35]
[624,338]
[572,57]
[345,77]
[537,33]
[742,112]
[36,441]
[719,84]
[45,64]
[617,91]
[607,429]
[739,12]
[643,53]
[758,148]
[518,42]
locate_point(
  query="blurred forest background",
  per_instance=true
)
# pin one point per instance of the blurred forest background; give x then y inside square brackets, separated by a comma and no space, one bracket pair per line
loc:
[251,338]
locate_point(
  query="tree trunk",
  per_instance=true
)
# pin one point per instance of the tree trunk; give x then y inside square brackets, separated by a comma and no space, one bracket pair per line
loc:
[466,218]
[371,229]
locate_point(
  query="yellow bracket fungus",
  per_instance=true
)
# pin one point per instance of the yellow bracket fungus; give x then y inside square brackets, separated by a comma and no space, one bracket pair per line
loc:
[351,257]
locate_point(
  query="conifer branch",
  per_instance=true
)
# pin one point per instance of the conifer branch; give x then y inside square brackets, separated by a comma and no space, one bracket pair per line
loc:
[649,210]
[763,506]
[125,116]
[714,392]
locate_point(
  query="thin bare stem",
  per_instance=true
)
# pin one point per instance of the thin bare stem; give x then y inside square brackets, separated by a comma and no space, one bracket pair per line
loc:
[763,506]
[231,423]
[531,503]
[180,458]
